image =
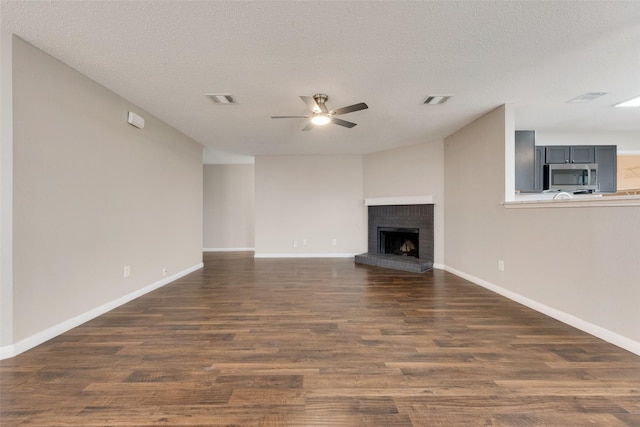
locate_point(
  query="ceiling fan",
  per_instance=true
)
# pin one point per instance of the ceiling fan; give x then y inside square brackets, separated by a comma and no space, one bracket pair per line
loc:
[321,115]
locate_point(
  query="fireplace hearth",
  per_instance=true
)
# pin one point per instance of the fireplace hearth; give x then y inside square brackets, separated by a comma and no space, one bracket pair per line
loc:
[400,237]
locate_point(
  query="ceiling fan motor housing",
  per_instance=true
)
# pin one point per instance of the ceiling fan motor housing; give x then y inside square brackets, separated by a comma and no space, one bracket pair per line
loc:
[320,98]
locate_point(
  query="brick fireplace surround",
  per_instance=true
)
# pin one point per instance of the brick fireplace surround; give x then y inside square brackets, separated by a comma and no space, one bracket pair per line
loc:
[418,216]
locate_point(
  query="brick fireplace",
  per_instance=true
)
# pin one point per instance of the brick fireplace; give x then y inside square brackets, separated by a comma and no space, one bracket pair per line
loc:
[411,222]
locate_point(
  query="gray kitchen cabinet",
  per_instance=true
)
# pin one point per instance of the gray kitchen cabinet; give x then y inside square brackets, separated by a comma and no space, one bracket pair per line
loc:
[530,161]
[525,160]
[570,154]
[582,154]
[557,154]
[606,156]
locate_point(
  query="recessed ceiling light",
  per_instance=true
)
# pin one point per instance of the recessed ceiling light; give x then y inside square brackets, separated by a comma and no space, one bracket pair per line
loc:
[586,97]
[222,98]
[436,99]
[635,102]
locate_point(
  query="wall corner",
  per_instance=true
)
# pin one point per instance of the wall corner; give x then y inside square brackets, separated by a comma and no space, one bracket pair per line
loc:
[6,189]
[509,153]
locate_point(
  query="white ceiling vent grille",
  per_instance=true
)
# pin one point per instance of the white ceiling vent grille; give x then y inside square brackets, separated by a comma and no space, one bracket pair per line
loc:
[222,98]
[586,97]
[436,99]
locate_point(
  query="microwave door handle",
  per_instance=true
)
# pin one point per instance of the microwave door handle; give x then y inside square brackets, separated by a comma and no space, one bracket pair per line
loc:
[588,175]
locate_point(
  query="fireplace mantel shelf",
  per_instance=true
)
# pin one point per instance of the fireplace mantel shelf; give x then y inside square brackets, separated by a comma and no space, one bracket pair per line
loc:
[409,200]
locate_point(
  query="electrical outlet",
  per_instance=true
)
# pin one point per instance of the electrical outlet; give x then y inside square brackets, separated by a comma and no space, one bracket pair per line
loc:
[295,244]
[334,242]
[127,270]
[304,242]
[500,265]
[165,271]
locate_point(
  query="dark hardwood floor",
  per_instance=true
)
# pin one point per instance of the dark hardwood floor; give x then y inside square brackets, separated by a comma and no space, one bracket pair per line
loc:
[321,342]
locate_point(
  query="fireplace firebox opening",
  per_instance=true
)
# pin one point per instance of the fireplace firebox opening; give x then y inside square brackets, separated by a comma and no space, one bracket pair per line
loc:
[398,241]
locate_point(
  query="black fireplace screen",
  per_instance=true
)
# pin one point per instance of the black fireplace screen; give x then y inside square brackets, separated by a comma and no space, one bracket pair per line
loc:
[398,241]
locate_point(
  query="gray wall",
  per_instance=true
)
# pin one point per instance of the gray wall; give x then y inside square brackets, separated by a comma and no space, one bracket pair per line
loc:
[577,264]
[228,207]
[91,195]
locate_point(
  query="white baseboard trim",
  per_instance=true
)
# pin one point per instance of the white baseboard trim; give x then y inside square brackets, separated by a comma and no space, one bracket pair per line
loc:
[228,249]
[439,266]
[571,320]
[52,332]
[338,255]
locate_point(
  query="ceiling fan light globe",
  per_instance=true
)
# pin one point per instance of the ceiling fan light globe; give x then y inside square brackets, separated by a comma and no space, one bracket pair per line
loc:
[320,119]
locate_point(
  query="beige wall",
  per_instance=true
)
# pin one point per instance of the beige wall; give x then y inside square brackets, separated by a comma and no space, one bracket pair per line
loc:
[416,170]
[578,264]
[474,188]
[312,198]
[581,261]
[228,207]
[93,194]
[6,190]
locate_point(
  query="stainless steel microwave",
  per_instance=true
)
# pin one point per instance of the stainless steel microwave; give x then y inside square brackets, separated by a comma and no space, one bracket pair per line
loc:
[571,177]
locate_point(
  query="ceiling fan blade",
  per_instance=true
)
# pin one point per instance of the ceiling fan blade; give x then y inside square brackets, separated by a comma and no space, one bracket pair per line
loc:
[342,122]
[309,126]
[350,109]
[289,117]
[311,103]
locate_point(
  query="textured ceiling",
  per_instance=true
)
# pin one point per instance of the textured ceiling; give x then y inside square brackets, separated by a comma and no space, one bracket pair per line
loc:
[165,55]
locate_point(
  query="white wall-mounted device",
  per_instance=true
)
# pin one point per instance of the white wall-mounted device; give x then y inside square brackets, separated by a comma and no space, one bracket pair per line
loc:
[135,120]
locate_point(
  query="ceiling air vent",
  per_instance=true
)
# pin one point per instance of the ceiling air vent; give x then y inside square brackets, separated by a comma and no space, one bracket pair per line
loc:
[222,98]
[586,97]
[436,99]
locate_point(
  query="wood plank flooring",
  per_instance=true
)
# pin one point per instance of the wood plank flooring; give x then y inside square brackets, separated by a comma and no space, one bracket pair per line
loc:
[321,342]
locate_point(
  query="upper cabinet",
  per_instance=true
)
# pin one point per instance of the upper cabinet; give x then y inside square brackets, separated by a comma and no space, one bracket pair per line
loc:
[570,154]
